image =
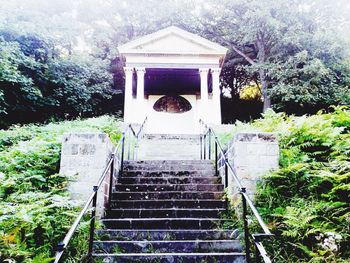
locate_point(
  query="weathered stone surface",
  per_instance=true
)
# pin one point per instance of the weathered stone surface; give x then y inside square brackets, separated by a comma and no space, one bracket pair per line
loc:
[168,246]
[234,257]
[167,195]
[170,180]
[166,212]
[169,187]
[84,156]
[163,234]
[166,203]
[252,155]
[164,223]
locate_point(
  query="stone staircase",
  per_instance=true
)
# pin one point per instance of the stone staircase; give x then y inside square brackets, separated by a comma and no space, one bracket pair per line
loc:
[167,211]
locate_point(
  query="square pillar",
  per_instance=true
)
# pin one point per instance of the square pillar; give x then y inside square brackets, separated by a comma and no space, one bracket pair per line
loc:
[128,100]
[216,103]
[204,105]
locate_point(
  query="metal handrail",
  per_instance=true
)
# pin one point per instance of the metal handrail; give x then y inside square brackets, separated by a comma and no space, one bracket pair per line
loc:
[62,246]
[257,237]
[141,128]
[257,215]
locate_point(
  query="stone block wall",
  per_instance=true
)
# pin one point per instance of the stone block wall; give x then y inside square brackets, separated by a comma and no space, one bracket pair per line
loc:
[84,157]
[252,155]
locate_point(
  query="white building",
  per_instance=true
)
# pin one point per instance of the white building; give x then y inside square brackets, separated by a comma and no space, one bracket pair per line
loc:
[172,77]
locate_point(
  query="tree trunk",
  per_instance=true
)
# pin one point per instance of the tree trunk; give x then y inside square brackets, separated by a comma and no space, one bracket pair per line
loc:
[262,72]
[264,86]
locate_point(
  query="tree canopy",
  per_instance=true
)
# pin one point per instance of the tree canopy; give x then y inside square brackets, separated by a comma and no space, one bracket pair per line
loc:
[60,58]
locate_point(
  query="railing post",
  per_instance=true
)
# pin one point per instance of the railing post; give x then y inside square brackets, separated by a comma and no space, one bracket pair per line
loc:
[257,255]
[209,145]
[201,145]
[129,141]
[134,149]
[204,147]
[245,223]
[216,157]
[122,154]
[92,222]
[111,177]
[60,247]
[226,173]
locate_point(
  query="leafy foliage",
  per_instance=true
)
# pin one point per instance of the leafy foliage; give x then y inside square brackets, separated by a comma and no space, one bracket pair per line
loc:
[35,208]
[295,50]
[306,201]
[37,84]
[250,92]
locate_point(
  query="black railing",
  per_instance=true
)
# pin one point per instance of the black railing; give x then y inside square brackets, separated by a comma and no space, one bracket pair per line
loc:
[222,163]
[114,168]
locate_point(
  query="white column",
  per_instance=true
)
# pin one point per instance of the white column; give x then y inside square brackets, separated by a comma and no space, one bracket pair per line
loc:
[140,110]
[203,105]
[204,83]
[216,95]
[128,94]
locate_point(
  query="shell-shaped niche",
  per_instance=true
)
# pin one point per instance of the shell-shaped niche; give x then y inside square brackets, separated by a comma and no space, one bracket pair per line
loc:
[172,104]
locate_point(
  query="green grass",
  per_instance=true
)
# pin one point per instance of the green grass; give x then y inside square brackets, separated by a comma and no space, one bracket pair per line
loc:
[35,207]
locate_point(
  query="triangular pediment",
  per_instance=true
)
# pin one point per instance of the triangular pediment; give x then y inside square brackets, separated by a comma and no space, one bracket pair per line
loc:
[172,40]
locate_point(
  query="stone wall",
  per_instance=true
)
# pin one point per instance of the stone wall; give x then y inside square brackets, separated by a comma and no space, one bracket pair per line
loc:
[252,155]
[84,157]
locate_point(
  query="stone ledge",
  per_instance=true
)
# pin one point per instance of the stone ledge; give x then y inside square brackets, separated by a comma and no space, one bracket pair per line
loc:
[255,137]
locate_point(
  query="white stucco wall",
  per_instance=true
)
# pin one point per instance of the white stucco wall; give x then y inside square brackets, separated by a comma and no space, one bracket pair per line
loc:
[179,123]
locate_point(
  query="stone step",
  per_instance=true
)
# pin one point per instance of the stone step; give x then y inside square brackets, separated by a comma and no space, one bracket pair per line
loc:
[168,168]
[165,223]
[165,162]
[172,173]
[180,203]
[171,137]
[160,153]
[170,142]
[158,213]
[169,187]
[167,246]
[168,165]
[163,234]
[234,257]
[166,195]
[170,180]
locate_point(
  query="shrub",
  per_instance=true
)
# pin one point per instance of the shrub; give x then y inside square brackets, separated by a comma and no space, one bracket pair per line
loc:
[306,201]
[35,208]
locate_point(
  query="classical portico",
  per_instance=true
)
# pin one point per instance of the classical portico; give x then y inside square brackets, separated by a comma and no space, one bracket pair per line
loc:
[172,77]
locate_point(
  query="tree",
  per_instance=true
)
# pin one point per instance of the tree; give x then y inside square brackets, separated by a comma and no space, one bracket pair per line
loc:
[17,90]
[36,85]
[268,33]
